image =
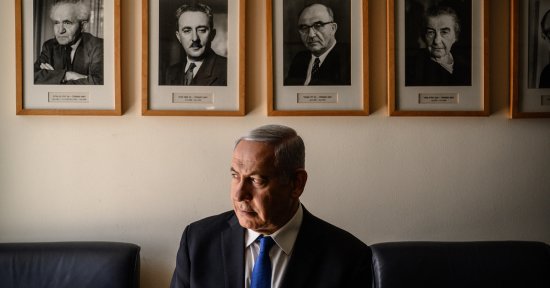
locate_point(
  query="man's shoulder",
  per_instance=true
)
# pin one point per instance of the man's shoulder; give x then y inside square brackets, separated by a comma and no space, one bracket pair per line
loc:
[330,232]
[91,39]
[52,42]
[217,58]
[214,222]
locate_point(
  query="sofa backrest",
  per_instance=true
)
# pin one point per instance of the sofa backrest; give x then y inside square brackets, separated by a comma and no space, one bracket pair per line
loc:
[69,265]
[461,264]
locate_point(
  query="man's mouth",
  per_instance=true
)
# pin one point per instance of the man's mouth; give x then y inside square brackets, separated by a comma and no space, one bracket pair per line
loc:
[246,209]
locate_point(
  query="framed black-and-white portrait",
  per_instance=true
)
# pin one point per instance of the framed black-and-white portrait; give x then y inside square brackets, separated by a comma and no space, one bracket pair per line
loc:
[437,58]
[67,55]
[193,57]
[530,58]
[317,57]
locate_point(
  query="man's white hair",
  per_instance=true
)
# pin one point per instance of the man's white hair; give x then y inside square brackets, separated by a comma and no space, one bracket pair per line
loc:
[82,8]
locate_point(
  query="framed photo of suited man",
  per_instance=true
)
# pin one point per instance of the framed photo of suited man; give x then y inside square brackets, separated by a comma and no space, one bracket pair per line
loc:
[68,59]
[319,52]
[438,58]
[530,60]
[193,57]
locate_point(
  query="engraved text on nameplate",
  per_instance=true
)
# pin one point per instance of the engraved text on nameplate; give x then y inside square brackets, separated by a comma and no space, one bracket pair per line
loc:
[317,98]
[193,98]
[438,98]
[68,97]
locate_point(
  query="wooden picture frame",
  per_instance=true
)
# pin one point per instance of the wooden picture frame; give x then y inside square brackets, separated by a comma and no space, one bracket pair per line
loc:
[529,98]
[163,90]
[422,89]
[289,95]
[91,86]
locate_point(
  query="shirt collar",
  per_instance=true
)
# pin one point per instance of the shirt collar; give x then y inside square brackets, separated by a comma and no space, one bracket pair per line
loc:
[284,237]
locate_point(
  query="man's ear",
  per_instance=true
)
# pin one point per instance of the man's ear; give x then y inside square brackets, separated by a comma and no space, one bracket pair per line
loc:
[83,26]
[299,182]
[212,34]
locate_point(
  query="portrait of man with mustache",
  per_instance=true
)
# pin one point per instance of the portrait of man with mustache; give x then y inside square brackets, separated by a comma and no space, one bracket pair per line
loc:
[200,66]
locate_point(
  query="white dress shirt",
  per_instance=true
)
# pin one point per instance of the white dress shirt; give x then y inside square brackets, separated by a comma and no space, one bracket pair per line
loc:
[280,252]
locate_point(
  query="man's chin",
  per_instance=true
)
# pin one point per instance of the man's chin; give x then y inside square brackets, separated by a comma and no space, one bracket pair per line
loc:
[196,56]
[63,41]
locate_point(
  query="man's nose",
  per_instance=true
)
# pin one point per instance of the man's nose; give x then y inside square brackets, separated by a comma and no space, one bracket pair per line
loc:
[311,32]
[194,36]
[241,191]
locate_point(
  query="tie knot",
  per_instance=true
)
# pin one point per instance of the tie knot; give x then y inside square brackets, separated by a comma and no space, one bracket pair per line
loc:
[191,66]
[266,243]
[317,60]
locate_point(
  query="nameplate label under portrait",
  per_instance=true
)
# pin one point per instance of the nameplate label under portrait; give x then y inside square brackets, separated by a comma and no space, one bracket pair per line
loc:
[309,98]
[545,100]
[193,98]
[438,98]
[68,97]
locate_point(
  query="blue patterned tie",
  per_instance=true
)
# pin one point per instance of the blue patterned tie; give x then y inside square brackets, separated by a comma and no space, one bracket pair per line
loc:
[261,274]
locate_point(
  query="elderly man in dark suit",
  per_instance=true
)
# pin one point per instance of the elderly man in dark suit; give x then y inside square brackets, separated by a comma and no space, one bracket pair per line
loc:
[269,239]
[201,66]
[73,56]
[325,62]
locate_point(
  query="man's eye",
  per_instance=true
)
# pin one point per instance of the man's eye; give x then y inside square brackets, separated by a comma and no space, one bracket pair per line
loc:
[258,181]
[186,30]
[202,30]
[317,25]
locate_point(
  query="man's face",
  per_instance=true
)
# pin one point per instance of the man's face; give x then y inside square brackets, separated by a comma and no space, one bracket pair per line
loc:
[66,26]
[440,35]
[263,199]
[317,29]
[194,34]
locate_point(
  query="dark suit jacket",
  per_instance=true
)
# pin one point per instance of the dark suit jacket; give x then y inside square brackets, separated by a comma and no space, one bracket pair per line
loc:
[88,60]
[544,81]
[335,70]
[211,254]
[213,71]
[422,71]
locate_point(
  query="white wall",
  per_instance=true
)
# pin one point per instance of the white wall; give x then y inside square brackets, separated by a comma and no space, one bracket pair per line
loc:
[142,179]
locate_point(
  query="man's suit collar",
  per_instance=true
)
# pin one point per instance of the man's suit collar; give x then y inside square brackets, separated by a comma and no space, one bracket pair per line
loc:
[232,253]
[305,253]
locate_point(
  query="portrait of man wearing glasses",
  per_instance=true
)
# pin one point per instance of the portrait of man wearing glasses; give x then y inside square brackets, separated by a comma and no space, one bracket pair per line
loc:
[326,61]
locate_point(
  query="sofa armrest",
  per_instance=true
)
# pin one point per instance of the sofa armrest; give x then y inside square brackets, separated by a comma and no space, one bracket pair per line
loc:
[461,264]
[69,265]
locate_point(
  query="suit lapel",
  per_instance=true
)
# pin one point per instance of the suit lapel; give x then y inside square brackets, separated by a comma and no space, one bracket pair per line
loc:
[233,254]
[180,78]
[304,255]
[204,75]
